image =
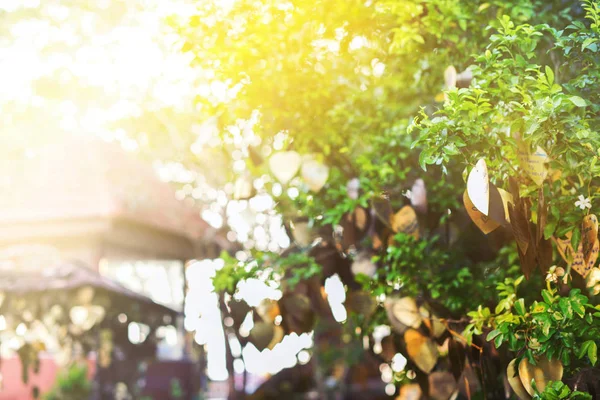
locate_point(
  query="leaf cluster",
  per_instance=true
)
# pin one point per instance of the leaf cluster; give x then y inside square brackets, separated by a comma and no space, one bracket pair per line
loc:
[562,327]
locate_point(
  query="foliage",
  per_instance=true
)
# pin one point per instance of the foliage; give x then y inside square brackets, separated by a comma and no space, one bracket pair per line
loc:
[546,100]
[71,384]
[227,278]
[358,86]
[559,391]
[563,327]
[295,267]
[541,99]
[422,268]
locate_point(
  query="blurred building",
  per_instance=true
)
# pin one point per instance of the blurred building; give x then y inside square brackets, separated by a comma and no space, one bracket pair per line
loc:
[93,201]
[90,201]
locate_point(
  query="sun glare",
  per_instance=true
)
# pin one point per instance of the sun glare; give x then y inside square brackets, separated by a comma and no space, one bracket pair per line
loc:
[77,70]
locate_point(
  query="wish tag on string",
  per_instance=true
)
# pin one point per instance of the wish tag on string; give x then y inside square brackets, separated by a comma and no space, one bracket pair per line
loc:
[418,196]
[533,163]
[314,173]
[564,248]
[403,313]
[498,210]
[453,79]
[478,187]
[450,77]
[243,188]
[589,235]
[360,302]
[353,188]
[361,218]
[506,198]
[482,221]
[519,221]
[577,260]
[442,385]
[405,221]
[432,322]
[580,265]
[591,262]
[421,350]
[464,78]
[382,208]
[284,165]
[541,216]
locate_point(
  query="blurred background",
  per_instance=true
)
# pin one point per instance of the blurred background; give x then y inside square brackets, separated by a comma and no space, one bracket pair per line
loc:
[116,201]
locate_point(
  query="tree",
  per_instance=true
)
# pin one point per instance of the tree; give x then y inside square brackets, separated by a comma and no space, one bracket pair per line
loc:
[351,91]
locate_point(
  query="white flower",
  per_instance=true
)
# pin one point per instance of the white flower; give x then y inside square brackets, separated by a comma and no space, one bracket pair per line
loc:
[583,202]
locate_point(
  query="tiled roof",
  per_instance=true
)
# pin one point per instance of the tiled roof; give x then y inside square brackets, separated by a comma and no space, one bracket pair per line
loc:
[19,279]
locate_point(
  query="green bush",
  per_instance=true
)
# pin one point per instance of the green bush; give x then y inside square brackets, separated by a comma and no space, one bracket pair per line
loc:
[71,383]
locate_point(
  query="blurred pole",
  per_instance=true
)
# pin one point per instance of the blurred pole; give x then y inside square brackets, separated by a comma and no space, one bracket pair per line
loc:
[228,354]
[97,382]
[202,361]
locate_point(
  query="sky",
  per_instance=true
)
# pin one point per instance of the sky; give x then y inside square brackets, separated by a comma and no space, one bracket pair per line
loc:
[78,69]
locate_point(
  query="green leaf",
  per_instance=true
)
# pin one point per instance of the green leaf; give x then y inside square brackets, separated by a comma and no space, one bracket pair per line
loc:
[492,335]
[423,160]
[451,149]
[578,101]
[592,352]
[587,43]
[519,280]
[565,307]
[549,229]
[583,349]
[578,308]
[545,322]
[498,341]
[557,316]
[520,307]
[550,75]
[565,358]
[547,296]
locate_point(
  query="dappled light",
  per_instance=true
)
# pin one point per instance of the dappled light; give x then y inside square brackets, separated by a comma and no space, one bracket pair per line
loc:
[312,199]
